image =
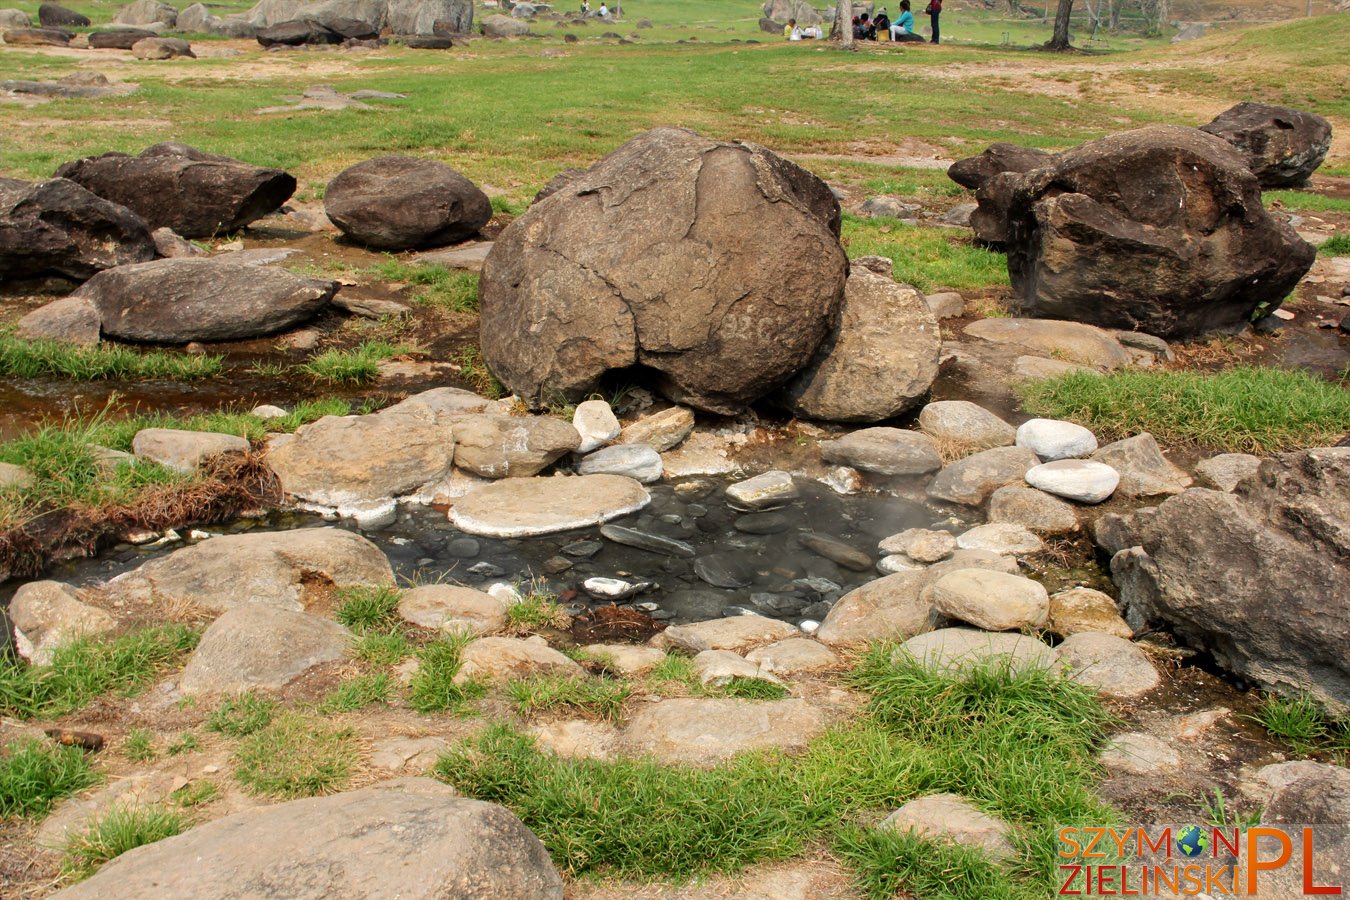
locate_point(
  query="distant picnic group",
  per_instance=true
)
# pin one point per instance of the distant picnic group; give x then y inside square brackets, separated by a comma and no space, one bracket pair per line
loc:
[866,28]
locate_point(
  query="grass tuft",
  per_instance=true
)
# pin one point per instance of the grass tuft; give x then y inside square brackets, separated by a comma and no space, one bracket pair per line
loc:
[358,365]
[435,285]
[369,608]
[601,698]
[139,745]
[752,689]
[1245,409]
[888,863]
[20,358]
[539,609]
[1336,245]
[88,667]
[34,775]
[297,756]
[242,715]
[382,649]
[123,829]
[1303,724]
[433,687]
[358,693]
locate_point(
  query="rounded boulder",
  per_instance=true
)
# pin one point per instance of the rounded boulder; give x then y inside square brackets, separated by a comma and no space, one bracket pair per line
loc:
[400,202]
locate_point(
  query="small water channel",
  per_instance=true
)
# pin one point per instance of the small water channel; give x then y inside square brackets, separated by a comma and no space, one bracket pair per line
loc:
[740,562]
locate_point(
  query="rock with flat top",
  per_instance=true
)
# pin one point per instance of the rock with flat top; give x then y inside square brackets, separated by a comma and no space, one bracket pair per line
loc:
[718,668]
[511,446]
[413,833]
[501,659]
[1003,538]
[1035,510]
[794,656]
[662,431]
[636,461]
[773,488]
[1080,480]
[453,609]
[994,601]
[1081,609]
[949,651]
[1227,470]
[184,451]
[71,320]
[738,633]
[47,614]
[527,507]
[1073,342]
[948,817]
[627,659]
[1137,753]
[256,646]
[885,451]
[705,732]
[1113,665]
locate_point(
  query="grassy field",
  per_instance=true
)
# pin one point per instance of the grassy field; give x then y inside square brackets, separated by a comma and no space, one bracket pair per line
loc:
[510,114]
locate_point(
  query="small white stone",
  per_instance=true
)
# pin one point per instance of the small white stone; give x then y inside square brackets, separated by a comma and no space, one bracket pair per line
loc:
[808,626]
[1051,439]
[1080,480]
[268,411]
[506,593]
[595,421]
[772,488]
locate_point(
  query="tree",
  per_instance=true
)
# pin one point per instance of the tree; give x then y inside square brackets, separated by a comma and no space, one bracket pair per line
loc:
[1060,40]
[843,23]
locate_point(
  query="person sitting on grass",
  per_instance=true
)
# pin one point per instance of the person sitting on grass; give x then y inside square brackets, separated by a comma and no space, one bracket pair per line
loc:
[791,31]
[903,29]
[863,30]
[882,22]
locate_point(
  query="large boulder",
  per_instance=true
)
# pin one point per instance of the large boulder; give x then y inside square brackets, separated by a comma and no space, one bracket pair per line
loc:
[993,200]
[176,186]
[297,33]
[782,10]
[717,265]
[1282,146]
[180,300]
[39,37]
[57,227]
[974,171]
[147,12]
[54,15]
[499,26]
[511,446]
[430,16]
[402,202]
[14,18]
[260,647]
[352,463]
[412,838]
[880,359]
[1259,577]
[70,319]
[270,568]
[118,38]
[275,12]
[1160,229]
[195,18]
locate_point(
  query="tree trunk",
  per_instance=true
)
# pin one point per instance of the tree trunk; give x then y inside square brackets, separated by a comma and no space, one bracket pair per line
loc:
[1116,7]
[1060,41]
[843,23]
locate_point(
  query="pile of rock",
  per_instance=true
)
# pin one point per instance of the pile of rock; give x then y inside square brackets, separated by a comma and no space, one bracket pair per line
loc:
[1178,268]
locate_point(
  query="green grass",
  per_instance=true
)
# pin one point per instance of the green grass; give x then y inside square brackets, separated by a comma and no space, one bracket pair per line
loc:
[474,371]
[433,688]
[888,862]
[1021,746]
[124,828]
[184,743]
[139,745]
[242,715]
[297,756]
[1303,724]
[434,285]
[752,689]
[369,608]
[1336,245]
[62,460]
[90,667]
[1306,201]
[1246,409]
[675,675]
[20,358]
[34,775]
[927,258]
[358,693]
[539,609]
[601,698]
[382,649]
[195,793]
[358,365]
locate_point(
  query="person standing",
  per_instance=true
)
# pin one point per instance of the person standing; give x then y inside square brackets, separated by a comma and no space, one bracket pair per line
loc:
[934,10]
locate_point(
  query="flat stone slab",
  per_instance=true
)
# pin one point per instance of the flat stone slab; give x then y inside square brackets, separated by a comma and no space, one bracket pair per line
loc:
[1114,666]
[1137,753]
[1073,341]
[949,817]
[702,732]
[794,656]
[468,256]
[525,507]
[738,633]
[950,650]
[452,608]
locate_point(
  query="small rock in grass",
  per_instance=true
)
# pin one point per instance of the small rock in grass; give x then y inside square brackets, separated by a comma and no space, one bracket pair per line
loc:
[948,817]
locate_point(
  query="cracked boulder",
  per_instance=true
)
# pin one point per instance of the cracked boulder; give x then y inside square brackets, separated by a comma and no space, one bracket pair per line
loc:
[1160,229]
[716,265]
[176,186]
[1259,578]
